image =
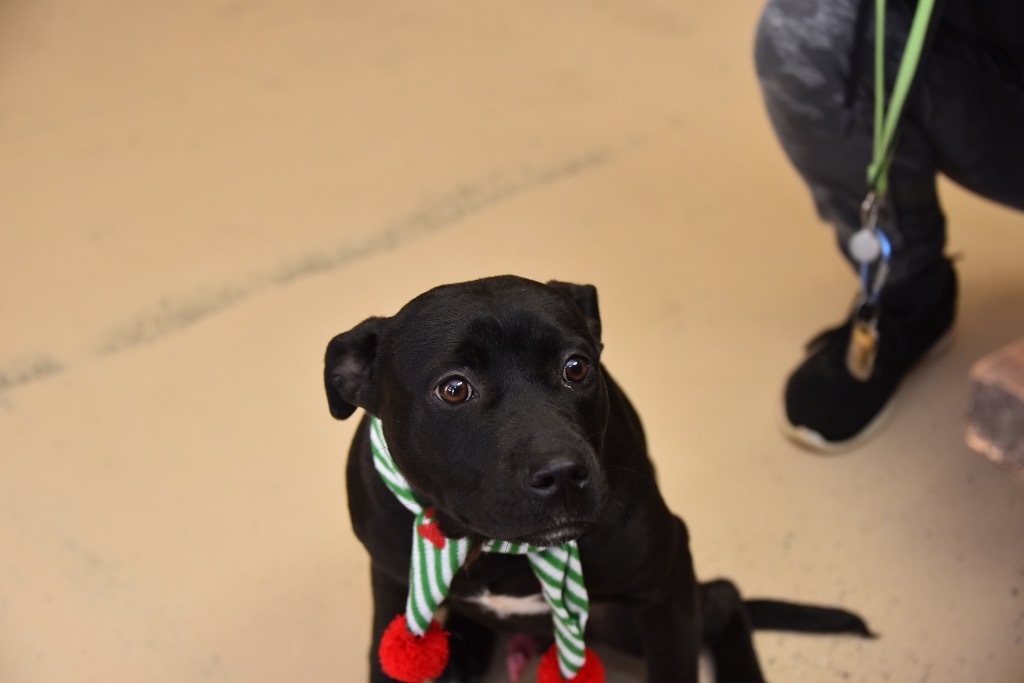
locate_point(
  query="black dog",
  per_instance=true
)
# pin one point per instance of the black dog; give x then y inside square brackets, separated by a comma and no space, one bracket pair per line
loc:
[497,412]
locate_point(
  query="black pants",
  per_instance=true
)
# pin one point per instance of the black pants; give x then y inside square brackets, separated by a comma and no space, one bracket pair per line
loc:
[964,118]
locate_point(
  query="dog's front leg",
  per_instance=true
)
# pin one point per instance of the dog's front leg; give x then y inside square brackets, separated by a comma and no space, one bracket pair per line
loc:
[472,645]
[669,616]
[671,634]
[389,597]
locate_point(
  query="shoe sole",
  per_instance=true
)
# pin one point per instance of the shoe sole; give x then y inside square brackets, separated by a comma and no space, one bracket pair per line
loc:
[812,440]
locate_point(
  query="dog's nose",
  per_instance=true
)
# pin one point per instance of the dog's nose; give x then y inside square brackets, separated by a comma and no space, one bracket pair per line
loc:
[557,473]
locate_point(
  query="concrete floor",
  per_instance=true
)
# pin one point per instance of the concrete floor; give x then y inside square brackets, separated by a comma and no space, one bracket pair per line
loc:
[195,197]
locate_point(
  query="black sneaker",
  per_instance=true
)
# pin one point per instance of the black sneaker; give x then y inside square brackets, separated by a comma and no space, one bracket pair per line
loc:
[826,408]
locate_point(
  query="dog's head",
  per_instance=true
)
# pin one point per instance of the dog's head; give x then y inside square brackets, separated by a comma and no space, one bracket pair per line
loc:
[493,404]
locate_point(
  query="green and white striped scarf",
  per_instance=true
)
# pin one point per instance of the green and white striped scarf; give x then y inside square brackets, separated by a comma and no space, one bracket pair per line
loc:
[436,559]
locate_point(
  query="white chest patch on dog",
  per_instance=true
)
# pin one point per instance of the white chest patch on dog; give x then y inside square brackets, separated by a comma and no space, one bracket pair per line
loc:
[505,606]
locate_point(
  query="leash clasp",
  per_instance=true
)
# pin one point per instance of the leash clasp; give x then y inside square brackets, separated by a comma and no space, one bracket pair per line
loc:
[871,249]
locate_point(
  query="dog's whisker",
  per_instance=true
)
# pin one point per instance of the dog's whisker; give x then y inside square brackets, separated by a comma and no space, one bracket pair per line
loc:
[613,499]
[628,470]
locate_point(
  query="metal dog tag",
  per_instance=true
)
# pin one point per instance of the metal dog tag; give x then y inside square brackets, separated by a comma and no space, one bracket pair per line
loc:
[862,350]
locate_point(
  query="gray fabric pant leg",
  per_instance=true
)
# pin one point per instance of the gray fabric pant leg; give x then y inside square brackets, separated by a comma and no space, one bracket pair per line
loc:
[964,118]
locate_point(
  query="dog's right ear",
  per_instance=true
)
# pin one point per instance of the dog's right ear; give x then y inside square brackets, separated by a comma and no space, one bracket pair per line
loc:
[350,369]
[585,297]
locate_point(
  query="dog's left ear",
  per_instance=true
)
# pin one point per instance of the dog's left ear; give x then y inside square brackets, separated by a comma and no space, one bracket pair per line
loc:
[350,369]
[585,297]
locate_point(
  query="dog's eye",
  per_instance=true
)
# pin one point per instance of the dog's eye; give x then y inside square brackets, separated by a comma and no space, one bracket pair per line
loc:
[454,390]
[576,369]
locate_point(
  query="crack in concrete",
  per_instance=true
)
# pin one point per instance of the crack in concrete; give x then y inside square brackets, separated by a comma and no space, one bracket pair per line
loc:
[174,313]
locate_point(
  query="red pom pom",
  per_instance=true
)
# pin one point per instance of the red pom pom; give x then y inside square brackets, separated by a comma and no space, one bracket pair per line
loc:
[548,671]
[412,659]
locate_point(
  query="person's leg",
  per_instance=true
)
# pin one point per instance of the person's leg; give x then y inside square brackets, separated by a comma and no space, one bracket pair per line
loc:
[814,61]
[970,100]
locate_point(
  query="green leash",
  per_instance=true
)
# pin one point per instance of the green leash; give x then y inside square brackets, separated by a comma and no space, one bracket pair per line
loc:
[887,118]
[436,559]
